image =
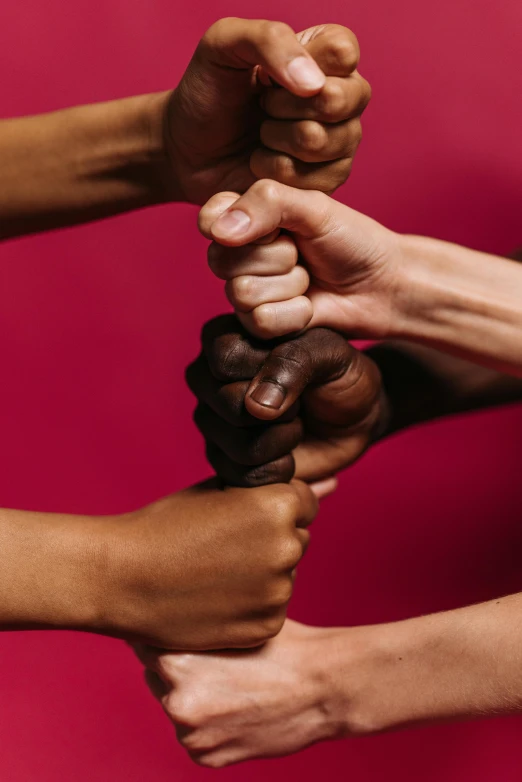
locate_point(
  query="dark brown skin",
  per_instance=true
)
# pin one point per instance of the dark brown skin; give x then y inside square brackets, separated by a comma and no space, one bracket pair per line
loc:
[331,410]
[337,400]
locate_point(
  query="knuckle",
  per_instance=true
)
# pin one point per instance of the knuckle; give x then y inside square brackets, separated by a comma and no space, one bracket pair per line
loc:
[264,320]
[283,168]
[279,471]
[182,710]
[273,32]
[208,760]
[268,627]
[366,94]
[311,136]
[273,625]
[227,357]
[347,51]
[197,741]
[215,259]
[289,554]
[281,594]
[266,189]
[284,506]
[332,101]
[242,292]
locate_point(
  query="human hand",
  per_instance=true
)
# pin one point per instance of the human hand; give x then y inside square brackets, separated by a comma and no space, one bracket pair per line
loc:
[312,684]
[258,101]
[235,706]
[208,568]
[311,405]
[350,273]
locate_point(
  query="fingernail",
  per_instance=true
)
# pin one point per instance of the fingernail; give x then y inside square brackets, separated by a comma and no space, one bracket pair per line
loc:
[305,73]
[269,395]
[233,223]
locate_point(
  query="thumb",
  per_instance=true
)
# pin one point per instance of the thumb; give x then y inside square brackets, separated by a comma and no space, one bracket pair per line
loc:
[269,205]
[218,205]
[315,358]
[213,209]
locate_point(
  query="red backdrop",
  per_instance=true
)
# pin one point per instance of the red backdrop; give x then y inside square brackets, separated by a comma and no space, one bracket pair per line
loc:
[98,323]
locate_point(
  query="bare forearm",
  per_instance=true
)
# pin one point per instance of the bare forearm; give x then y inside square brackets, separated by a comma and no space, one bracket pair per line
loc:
[81,164]
[455,665]
[463,302]
[52,571]
[422,384]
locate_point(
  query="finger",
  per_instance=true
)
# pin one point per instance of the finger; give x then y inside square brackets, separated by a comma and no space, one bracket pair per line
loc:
[308,503]
[278,319]
[324,488]
[250,447]
[226,399]
[334,48]
[326,177]
[214,207]
[233,474]
[247,292]
[156,685]
[317,357]
[277,257]
[268,205]
[339,100]
[311,141]
[232,354]
[246,43]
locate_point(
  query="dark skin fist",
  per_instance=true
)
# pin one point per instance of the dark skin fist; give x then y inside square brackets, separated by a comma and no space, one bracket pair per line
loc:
[258,101]
[208,568]
[307,407]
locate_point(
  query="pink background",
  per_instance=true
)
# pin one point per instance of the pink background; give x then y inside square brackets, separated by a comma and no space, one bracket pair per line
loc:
[98,323]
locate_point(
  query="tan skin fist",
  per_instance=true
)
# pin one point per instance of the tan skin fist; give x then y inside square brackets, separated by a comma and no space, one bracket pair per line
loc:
[209,568]
[260,101]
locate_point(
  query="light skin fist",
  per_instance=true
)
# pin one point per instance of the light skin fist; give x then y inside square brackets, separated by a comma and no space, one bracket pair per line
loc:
[231,707]
[310,405]
[209,568]
[258,100]
[334,267]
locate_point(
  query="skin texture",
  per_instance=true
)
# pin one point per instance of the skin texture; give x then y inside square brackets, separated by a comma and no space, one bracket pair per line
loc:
[314,684]
[172,574]
[293,105]
[363,279]
[299,126]
[330,404]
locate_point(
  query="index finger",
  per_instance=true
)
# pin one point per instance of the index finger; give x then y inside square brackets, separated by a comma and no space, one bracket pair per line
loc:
[334,48]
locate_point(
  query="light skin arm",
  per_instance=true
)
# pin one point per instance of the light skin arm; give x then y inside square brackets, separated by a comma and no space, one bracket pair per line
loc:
[363,279]
[208,134]
[315,684]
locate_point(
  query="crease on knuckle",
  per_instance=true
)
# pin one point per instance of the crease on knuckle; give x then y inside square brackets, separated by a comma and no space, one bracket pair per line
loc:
[331,102]
[345,48]
[311,136]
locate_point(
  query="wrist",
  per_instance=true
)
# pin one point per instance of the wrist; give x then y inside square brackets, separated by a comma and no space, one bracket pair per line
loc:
[462,301]
[53,573]
[448,666]
[371,671]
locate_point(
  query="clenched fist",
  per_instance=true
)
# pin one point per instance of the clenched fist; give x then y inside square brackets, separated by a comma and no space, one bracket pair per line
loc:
[258,101]
[207,568]
[308,406]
